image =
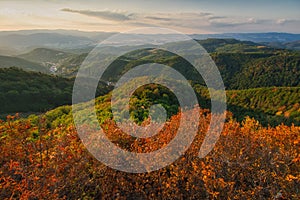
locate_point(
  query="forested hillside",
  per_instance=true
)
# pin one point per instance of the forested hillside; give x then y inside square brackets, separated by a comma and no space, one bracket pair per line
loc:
[270,106]
[22,91]
[32,91]
[8,61]
[243,65]
[43,55]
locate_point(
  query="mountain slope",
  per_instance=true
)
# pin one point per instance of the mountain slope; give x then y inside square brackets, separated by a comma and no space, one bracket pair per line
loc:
[238,70]
[289,45]
[43,55]
[8,61]
[23,91]
[232,45]
[270,106]
[243,71]
[242,64]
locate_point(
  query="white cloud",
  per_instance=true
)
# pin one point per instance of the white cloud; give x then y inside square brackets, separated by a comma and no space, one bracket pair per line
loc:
[105,14]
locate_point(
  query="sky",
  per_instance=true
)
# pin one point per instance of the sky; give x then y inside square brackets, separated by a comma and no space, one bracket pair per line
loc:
[187,16]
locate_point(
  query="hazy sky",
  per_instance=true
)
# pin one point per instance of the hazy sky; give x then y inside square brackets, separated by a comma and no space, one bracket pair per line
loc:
[188,16]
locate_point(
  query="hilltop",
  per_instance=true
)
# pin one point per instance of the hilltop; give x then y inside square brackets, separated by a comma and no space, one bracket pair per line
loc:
[43,55]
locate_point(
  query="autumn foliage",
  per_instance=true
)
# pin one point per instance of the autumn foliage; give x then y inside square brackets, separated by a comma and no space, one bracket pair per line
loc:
[248,162]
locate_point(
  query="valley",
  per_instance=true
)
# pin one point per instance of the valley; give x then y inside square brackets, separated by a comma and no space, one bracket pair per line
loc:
[44,157]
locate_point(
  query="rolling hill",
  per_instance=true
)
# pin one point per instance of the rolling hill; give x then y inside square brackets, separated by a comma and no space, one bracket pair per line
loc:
[23,91]
[9,61]
[243,71]
[286,45]
[242,64]
[270,106]
[232,46]
[238,70]
[43,55]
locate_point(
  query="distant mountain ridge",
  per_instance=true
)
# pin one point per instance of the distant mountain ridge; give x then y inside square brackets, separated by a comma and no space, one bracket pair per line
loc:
[24,43]
[253,37]
[26,40]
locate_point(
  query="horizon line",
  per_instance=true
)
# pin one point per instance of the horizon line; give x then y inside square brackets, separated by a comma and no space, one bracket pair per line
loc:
[101,31]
